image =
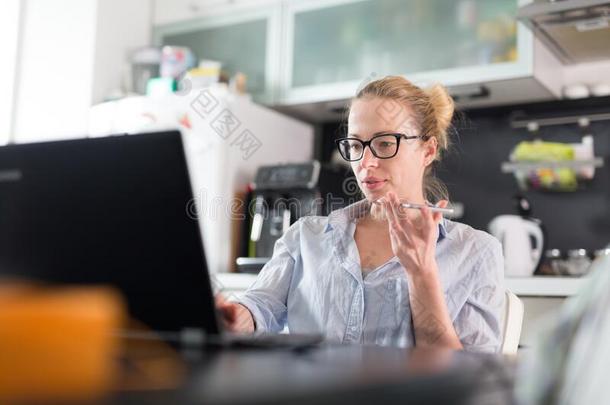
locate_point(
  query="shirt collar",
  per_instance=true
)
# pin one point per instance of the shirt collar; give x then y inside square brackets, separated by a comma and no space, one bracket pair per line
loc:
[339,219]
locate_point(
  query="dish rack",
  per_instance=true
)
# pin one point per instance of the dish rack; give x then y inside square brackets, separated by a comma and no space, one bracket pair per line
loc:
[557,167]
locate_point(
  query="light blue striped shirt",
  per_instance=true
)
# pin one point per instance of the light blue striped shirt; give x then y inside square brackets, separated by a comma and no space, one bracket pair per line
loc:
[314,284]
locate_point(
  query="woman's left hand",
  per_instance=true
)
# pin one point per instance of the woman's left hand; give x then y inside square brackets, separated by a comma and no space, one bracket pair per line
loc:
[413,235]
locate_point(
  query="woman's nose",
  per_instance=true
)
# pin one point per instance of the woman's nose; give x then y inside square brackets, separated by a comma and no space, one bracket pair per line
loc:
[368,159]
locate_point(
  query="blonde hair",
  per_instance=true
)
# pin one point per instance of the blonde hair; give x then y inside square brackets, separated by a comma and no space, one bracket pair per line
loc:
[433,110]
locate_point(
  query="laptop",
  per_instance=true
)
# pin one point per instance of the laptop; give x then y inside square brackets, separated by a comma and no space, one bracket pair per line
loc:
[111,211]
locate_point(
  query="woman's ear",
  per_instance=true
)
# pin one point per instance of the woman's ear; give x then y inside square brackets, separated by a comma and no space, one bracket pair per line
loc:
[430,149]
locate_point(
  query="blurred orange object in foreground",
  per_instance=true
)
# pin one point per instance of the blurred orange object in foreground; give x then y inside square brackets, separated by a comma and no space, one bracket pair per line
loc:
[57,343]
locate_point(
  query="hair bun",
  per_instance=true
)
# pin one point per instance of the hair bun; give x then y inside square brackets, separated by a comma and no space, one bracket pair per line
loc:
[443,106]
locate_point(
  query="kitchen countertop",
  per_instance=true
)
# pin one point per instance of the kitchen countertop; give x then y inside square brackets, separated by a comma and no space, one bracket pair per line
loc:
[543,286]
[233,281]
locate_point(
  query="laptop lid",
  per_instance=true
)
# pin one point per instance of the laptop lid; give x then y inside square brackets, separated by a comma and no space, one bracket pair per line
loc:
[111,211]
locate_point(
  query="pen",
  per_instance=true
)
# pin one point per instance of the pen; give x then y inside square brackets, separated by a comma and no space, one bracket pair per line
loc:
[420,206]
[431,207]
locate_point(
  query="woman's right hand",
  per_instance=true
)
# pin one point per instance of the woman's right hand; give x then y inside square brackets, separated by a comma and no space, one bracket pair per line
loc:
[235,317]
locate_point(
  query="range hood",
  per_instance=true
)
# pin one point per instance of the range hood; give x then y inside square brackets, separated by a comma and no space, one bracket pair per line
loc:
[574,30]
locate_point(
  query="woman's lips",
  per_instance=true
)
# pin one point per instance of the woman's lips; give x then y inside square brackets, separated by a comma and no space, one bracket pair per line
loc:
[373,184]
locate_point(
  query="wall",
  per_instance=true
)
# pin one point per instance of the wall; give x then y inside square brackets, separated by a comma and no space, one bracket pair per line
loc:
[573,220]
[55,69]
[72,54]
[485,139]
[9,34]
[122,27]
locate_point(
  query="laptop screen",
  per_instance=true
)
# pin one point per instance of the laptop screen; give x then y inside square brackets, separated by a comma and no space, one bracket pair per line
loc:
[108,211]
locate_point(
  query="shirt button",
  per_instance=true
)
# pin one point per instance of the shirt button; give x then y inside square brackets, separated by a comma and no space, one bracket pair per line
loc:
[353,329]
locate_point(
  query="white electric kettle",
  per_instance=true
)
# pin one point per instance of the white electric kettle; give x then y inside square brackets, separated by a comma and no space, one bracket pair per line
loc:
[522,242]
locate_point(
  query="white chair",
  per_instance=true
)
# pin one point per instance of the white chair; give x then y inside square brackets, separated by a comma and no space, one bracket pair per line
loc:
[513,320]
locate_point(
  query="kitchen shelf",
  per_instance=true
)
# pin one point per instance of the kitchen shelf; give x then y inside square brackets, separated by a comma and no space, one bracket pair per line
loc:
[533,123]
[510,167]
[544,286]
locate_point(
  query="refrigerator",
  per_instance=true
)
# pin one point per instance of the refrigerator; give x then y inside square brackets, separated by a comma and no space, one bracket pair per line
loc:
[226,138]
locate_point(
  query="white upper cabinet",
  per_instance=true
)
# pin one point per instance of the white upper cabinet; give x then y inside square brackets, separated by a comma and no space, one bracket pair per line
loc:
[297,53]
[333,46]
[172,11]
[245,40]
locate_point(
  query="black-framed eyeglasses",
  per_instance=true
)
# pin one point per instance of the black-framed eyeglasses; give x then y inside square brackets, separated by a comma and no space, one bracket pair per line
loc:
[383,146]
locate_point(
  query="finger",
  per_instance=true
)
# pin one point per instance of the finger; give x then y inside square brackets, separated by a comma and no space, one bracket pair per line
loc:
[389,210]
[396,239]
[397,230]
[396,221]
[243,318]
[439,215]
[400,214]
[390,214]
[219,300]
[229,312]
[427,217]
[228,326]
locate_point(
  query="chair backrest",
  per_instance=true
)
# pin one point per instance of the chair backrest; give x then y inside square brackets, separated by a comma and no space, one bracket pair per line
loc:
[513,320]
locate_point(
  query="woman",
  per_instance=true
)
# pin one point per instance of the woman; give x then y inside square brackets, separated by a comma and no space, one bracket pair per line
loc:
[375,272]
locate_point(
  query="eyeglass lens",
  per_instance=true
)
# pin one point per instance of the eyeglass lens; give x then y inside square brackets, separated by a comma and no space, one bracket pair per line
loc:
[384,146]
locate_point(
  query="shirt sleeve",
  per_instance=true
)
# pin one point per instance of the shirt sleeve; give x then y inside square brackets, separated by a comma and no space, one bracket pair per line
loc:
[267,297]
[479,322]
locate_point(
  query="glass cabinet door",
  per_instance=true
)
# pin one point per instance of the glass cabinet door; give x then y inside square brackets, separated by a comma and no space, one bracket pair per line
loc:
[242,43]
[345,41]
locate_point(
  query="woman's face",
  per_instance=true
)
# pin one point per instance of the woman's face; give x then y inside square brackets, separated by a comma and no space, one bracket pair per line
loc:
[403,173]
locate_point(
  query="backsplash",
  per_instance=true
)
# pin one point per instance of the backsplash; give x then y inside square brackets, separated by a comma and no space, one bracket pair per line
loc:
[471,171]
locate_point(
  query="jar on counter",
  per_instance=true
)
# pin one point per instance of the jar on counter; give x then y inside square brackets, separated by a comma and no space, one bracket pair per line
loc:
[552,264]
[601,253]
[578,262]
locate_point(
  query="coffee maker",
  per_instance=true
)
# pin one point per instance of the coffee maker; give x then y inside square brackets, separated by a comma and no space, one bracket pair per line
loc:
[280,195]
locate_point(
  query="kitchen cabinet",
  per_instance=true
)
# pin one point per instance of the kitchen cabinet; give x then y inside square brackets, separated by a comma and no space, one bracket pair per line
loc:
[245,41]
[172,11]
[333,45]
[309,56]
